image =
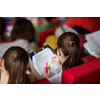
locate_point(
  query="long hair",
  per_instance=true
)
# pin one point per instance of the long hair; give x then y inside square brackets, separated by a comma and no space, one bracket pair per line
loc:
[15,63]
[69,44]
[23,29]
[2,27]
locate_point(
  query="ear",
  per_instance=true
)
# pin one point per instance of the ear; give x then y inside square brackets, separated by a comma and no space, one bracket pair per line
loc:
[58,51]
[0,62]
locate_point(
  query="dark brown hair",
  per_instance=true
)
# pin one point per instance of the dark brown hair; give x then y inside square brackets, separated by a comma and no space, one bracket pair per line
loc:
[48,18]
[2,27]
[23,29]
[15,63]
[70,49]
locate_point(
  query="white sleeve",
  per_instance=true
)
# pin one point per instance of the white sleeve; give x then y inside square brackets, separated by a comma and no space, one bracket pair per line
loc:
[0,55]
[1,52]
[90,49]
[56,79]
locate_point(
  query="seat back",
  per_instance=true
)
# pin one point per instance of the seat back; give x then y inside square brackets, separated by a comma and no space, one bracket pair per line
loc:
[89,58]
[41,81]
[88,73]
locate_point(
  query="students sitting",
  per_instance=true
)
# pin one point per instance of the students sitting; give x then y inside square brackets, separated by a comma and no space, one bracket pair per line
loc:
[13,67]
[68,55]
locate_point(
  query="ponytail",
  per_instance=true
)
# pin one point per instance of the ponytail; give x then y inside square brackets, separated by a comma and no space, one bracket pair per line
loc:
[17,73]
[15,63]
[73,58]
[69,44]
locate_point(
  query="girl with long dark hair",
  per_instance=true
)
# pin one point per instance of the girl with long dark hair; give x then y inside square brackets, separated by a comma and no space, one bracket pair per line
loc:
[14,67]
[67,53]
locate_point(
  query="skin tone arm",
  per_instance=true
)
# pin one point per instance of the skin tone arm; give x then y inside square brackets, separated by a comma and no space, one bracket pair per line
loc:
[46,74]
[30,75]
[35,47]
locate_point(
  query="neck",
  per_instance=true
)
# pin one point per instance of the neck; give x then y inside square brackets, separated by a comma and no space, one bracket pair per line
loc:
[63,59]
[4,71]
[4,77]
[18,39]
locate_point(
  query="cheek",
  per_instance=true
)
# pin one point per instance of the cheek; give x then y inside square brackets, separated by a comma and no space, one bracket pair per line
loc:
[59,57]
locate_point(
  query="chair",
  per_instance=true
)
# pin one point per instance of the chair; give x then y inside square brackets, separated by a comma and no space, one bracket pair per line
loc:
[82,41]
[41,81]
[88,73]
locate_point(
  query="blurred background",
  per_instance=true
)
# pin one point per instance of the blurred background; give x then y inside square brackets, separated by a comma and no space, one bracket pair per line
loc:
[40,31]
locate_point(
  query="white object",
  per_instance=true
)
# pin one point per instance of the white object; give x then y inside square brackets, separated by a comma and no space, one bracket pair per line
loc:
[94,40]
[40,59]
[90,49]
[59,30]
[56,59]
[21,43]
[8,30]
[56,79]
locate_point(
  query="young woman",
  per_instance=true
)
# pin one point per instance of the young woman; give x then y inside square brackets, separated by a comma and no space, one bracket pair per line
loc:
[13,67]
[23,35]
[67,53]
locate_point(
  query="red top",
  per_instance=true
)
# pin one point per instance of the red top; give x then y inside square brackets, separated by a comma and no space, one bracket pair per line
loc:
[90,23]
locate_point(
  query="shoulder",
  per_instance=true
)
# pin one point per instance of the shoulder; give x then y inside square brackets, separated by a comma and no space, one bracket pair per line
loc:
[31,46]
[30,76]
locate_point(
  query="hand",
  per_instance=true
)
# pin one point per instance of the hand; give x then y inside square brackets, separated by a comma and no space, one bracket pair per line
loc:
[46,74]
[56,62]
[98,55]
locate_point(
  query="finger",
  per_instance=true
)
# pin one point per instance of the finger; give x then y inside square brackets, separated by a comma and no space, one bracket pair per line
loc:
[49,70]
[43,69]
[31,51]
[56,56]
[53,60]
